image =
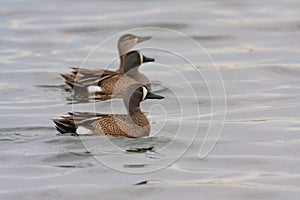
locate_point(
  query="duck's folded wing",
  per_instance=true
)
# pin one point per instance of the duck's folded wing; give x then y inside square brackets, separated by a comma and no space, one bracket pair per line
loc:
[87,79]
[83,123]
[84,71]
[82,77]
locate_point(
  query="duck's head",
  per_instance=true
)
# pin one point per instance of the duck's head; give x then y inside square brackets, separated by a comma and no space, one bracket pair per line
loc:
[135,94]
[135,59]
[128,41]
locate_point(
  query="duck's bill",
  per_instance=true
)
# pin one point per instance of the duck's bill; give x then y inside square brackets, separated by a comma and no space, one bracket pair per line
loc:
[147,59]
[154,96]
[144,38]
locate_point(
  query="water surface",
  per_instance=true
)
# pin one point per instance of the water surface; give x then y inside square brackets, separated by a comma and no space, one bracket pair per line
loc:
[256,46]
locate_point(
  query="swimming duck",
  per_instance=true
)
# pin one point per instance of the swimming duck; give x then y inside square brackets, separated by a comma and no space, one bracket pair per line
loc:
[125,43]
[132,124]
[114,83]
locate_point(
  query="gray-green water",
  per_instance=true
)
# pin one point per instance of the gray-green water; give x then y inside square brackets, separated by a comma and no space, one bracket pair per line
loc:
[255,44]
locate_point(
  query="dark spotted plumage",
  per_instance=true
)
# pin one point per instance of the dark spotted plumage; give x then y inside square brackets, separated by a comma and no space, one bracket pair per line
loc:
[132,124]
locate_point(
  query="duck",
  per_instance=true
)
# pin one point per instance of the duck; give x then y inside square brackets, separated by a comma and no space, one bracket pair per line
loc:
[125,43]
[133,124]
[115,83]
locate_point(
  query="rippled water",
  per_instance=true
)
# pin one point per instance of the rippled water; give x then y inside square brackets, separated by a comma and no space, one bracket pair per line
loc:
[256,46]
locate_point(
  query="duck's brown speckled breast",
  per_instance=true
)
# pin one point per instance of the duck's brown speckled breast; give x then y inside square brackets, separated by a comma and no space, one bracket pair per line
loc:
[135,125]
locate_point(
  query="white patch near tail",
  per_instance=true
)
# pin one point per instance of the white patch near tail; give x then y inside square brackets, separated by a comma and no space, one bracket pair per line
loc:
[145,92]
[93,89]
[81,130]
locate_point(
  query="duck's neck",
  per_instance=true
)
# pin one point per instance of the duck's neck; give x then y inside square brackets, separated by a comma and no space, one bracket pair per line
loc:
[121,67]
[133,72]
[134,109]
[139,118]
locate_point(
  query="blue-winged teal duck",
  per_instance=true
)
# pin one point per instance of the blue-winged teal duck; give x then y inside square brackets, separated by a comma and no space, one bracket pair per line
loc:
[125,43]
[132,124]
[114,83]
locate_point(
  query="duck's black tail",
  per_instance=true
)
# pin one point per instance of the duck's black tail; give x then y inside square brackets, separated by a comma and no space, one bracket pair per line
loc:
[76,123]
[66,124]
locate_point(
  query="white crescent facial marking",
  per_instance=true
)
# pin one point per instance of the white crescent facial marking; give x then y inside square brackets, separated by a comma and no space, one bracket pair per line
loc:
[83,131]
[141,57]
[145,92]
